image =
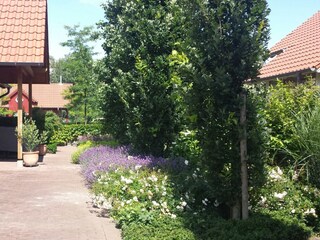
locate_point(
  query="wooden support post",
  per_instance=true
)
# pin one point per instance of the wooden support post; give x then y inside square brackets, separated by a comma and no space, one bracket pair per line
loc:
[318,79]
[30,98]
[243,157]
[20,114]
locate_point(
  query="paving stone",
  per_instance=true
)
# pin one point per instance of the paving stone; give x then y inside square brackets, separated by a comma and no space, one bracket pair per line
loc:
[49,202]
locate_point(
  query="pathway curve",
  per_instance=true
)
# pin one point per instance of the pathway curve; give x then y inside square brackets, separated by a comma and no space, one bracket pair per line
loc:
[49,202]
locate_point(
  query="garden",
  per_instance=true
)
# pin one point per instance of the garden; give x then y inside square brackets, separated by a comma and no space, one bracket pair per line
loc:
[186,146]
[173,197]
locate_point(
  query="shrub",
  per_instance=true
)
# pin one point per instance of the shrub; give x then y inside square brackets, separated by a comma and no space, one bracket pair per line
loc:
[81,148]
[161,228]
[38,115]
[70,132]
[262,227]
[284,103]
[139,196]
[52,124]
[284,196]
[52,148]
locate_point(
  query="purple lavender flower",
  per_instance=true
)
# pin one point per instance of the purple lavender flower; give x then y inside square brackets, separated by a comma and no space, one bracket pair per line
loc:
[105,158]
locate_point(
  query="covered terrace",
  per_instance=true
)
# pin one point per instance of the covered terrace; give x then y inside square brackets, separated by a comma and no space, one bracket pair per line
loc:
[24,55]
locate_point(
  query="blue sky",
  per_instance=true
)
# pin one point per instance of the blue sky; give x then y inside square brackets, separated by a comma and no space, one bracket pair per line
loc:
[285,16]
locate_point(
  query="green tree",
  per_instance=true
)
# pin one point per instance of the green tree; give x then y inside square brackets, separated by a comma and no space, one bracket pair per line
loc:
[142,47]
[79,68]
[59,70]
[227,45]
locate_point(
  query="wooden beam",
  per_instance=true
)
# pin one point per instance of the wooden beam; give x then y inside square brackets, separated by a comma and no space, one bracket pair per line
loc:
[29,70]
[30,98]
[20,114]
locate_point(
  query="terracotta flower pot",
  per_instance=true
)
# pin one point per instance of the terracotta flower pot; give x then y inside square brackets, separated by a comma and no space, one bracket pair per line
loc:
[30,158]
[42,149]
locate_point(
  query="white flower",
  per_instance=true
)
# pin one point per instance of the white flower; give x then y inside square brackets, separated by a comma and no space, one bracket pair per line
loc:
[126,180]
[263,200]
[311,211]
[216,203]
[135,199]
[153,178]
[204,202]
[276,173]
[183,204]
[141,190]
[293,211]
[186,162]
[107,205]
[164,205]
[154,203]
[187,132]
[164,193]
[280,195]
[137,167]
[173,216]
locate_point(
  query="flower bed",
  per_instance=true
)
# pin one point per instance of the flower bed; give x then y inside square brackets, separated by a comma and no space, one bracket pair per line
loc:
[155,197]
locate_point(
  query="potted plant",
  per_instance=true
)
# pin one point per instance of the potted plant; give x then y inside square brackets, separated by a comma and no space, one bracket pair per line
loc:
[30,140]
[43,138]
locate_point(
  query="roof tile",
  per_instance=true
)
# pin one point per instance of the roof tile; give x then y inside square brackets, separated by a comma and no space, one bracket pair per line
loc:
[46,95]
[22,31]
[301,50]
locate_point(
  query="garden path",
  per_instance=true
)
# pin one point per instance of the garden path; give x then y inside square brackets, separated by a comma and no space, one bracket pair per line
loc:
[49,202]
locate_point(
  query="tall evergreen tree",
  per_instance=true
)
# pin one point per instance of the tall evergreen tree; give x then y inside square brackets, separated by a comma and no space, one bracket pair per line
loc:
[228,44]
[140,103]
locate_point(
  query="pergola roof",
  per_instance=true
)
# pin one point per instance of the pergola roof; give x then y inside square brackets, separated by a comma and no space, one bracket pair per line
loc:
[298,52]
[24,41]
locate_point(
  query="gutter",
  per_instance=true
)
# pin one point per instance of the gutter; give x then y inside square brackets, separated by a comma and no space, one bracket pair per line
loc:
[7,86]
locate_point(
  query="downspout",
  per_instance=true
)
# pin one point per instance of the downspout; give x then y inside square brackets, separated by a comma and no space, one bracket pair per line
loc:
[8,87]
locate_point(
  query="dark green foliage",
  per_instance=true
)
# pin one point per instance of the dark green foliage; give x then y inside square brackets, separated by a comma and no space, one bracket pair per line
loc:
[38,115]
[262,227]
[70,132]
[162,228]
[227,45]
[52,148]
[52,124]
[140,104]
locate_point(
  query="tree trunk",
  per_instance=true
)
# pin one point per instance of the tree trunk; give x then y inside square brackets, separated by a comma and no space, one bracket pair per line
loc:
[243,157]
[235,211]
[85,106]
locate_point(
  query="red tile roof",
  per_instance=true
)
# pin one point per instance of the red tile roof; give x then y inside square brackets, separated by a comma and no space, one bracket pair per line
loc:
[23,31]
[297,52]
[46,95]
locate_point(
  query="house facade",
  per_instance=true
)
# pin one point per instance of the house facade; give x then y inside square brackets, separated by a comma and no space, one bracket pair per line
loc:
[48,97]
